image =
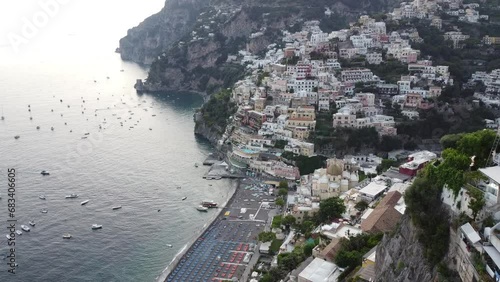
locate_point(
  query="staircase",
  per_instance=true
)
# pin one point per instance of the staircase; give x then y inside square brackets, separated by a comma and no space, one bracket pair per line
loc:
[493,156]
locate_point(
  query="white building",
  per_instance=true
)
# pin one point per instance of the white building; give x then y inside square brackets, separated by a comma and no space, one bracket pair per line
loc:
[320,271]
[374,58]
[357,75]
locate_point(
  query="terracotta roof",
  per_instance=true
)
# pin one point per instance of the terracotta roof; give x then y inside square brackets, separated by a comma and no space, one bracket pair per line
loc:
[329,252]
[384,217]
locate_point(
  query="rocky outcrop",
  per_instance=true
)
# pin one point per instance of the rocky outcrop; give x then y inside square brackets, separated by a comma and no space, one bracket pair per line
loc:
[400,257]
[203,130]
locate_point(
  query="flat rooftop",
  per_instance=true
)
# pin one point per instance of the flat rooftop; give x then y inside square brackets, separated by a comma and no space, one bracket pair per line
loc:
[492,172]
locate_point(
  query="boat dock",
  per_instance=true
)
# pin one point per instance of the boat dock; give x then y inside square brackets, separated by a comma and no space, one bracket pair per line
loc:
[219,170]
[211,159]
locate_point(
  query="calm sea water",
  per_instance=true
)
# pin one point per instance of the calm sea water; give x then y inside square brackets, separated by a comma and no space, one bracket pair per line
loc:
[139,168]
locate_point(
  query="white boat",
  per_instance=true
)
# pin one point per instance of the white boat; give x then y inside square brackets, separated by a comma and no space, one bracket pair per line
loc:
[44,172]
[183,198]
[96,226]
[19,232]
[25,228]
[8,237]
[32,223]
[67,236]
[169,245]
[42,197]
[84,202]
[72,196]
[117,207]
[202,208]
[44,210]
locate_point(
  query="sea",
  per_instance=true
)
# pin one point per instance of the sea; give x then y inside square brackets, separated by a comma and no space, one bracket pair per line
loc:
[69,99]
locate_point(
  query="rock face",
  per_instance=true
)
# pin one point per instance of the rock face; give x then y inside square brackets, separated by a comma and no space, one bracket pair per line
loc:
[203,130]
[188,42]
[400,257]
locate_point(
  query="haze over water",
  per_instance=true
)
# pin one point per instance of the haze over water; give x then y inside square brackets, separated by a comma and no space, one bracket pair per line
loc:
[137,168]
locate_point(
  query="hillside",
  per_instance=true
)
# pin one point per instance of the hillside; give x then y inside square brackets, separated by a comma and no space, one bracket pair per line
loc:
[188,42]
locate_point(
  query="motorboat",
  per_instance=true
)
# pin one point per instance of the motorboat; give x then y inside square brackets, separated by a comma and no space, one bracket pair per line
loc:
[183,198]
[96,226]
[44,172]
[202,208]
[72,196]
[169,245]
[84,202]
[32,223]
[19,232]
[86,133]
[44,211]
[67,236]
[16,137]
[8,237]
[195,165]
[38,127]
[25,228]
[42,197]
[117,208]
[209,204]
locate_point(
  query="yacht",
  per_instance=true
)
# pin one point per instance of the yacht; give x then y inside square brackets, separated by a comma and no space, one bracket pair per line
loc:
[183,198]
[202,208]
[117,208]
[16,137]
[19,232]
[72,196]
[25,228]
[84,202]
[32,223]
[44,172]
[209,204]
[42,197]
[67,236]
[96,226]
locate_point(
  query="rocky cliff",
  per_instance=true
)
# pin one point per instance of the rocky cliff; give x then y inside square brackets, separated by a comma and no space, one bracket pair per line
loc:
[188,42]
[400,257]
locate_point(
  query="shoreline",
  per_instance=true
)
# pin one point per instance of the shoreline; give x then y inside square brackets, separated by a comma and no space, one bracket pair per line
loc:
[189,245]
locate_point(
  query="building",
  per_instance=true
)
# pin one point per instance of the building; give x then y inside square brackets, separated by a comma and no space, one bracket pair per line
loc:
[357,75]
[320,271]
[416,162]
[373,190]
[384,217]
[456,37]
[492,185]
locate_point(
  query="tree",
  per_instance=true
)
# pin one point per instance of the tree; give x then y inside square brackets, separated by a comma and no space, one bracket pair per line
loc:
[283,184]
[308,248]
[289,220]
[280,202]
[385,165]
[361,206]
[266,236]
[389,143]
[477,201]
[330,208]
[282,192]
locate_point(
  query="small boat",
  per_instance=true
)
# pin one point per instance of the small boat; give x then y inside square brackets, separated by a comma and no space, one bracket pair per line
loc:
[116,208]
[25,228]
[42,197]
[8,237]
[44,172]
[52,128]
[16,137]
[169,245]
[202,208]
[86,133]
[38,127]
[67,236]
[44,211]
[209,204]
[19,232]
[96,226]
[84,137]
[72,196]
[32,223]
[84,202]
[183,198]
[153,115]
[195,165]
